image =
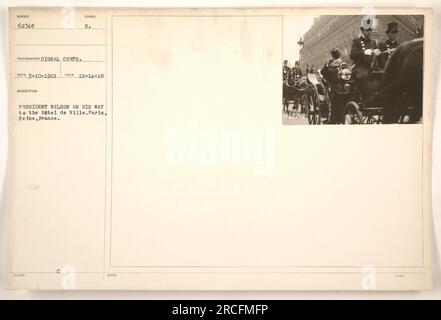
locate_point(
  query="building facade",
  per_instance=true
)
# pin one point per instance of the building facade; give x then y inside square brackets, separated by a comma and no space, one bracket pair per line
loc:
[329,32]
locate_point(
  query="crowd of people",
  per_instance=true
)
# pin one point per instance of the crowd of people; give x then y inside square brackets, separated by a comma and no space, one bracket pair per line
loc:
[291,75]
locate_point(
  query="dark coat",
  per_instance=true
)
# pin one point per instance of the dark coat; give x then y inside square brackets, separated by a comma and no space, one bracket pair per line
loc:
[286,71]
[385,45]
[297,73]
[357,50]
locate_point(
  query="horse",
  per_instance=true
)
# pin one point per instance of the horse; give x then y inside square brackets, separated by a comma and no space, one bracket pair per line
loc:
[292,91]
[402,91]
[309,69]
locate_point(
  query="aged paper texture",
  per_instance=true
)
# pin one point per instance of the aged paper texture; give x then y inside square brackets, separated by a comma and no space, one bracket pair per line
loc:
[158,149]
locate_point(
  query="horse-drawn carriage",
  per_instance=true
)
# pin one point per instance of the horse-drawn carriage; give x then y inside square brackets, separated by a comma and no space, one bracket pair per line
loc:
[356,109]
[394,94]
[309,97]
[293,93]
[318,106]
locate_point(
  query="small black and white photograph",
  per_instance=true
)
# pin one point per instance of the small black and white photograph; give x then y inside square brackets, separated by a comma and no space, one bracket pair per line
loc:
[352,69]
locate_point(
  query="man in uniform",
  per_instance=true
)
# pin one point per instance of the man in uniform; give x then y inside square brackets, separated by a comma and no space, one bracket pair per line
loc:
[387,45]
[297,72]
[362,50]
[285,70]
[296,78]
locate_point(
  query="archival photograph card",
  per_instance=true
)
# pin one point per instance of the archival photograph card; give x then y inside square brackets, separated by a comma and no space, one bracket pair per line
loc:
[220,149]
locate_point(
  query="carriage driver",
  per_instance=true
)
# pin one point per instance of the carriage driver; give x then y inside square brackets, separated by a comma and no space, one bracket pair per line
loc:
[285,70]
[388,44]
[362,49]
[297,72]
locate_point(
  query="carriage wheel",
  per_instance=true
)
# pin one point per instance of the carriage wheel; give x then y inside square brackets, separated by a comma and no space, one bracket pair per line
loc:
[328,108]
[285,106]
[308,109]
[313,109]
[353,114]
[323,103]
[305,104]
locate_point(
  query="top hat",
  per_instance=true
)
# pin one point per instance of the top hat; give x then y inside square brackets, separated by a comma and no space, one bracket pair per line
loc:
[392,27]
[335,53]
